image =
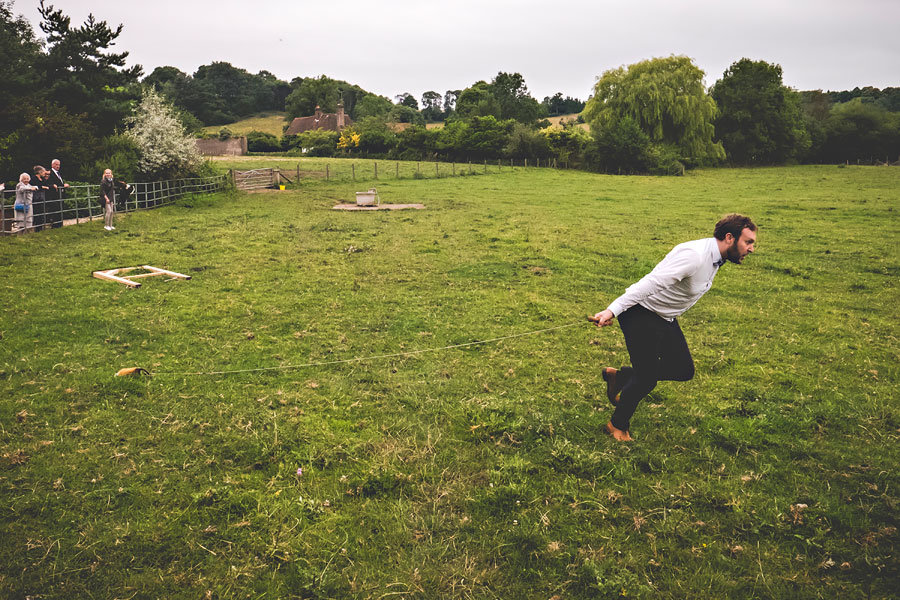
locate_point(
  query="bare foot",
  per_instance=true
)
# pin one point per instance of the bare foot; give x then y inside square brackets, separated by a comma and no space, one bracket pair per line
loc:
[618,434]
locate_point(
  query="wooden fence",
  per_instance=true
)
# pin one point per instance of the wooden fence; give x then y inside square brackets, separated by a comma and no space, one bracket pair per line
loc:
[260,179]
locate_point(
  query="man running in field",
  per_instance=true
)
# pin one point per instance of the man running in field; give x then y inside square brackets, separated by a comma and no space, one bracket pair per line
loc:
[648,314]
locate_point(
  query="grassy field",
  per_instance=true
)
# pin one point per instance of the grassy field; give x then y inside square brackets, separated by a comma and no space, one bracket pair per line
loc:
[268,122]
[472,472]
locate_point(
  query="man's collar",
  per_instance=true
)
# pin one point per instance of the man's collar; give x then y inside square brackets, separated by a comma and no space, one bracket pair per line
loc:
[715,255]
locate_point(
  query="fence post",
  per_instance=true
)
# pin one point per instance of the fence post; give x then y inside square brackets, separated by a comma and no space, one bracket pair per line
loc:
[437,170]
[326,172]
[352,170]
[376,169]
[298,173]
[397,174]
[453,168]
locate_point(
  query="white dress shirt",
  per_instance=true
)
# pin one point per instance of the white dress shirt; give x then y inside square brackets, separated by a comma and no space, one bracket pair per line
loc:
[676,283]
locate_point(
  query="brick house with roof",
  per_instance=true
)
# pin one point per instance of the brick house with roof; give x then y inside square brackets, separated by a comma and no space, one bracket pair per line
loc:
[327,121]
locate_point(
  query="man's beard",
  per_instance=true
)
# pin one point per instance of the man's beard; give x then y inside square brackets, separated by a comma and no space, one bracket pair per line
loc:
[732,254]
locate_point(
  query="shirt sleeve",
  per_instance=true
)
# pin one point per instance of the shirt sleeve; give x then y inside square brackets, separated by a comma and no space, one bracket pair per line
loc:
[678,264]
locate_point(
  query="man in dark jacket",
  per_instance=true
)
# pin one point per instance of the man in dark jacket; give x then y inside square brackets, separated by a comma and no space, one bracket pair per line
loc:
[56,196]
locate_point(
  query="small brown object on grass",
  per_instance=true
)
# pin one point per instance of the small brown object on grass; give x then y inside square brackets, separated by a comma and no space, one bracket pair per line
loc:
[131,371]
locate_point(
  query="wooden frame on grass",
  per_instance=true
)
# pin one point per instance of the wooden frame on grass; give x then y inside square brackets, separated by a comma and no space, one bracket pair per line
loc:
[113,274]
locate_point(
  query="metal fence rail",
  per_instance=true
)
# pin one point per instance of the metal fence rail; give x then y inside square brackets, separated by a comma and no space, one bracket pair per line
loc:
[82,202]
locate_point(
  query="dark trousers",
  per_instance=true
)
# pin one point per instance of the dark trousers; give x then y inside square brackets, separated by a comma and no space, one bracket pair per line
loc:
[658,352]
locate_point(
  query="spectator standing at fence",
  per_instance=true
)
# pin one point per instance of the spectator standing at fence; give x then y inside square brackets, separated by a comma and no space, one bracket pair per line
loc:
[57,194]
[41,182]
[24,191]
[108,198]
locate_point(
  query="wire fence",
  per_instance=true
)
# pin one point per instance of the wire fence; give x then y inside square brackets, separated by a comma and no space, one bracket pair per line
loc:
[374,169]
[82,202]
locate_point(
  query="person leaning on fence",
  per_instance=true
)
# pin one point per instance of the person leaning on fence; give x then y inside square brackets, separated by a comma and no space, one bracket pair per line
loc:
[24,191]
[108,198]
[56,196]
[41,182]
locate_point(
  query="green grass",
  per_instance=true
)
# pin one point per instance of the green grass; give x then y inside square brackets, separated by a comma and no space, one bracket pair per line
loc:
[478,472]
[267,122]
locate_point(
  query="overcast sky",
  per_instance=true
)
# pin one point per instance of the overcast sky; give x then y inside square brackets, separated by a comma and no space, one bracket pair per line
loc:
[395,46]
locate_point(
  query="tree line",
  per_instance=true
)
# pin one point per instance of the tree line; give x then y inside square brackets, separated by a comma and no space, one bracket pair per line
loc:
[220,93]
[69,96]
[654,116]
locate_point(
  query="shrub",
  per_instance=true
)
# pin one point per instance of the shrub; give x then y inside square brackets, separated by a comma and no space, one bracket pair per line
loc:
[475,138]
[317,142]
[665,159]
[567,143]
[525,142]
[259,141]
[374,136]
[416,142]
[620,146]
[166,151]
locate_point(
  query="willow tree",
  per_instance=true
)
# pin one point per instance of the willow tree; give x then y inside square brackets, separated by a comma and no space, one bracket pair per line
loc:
[668,101]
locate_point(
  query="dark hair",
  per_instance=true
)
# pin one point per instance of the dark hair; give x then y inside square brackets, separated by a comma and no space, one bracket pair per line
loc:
[733,224]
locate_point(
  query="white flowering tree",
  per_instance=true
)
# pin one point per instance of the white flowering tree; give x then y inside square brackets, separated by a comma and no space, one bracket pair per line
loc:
[165,149]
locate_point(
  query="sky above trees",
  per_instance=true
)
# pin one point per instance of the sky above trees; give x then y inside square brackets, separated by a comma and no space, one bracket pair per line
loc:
[396,46]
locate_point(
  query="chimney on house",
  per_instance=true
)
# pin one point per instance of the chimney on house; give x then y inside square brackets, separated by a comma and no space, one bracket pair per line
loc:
[318,113]
[340,115]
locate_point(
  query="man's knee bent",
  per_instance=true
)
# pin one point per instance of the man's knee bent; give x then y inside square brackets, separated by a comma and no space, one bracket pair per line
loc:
[686,374]
[640,386]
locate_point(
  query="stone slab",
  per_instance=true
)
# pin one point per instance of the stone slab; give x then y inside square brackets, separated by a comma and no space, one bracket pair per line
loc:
[379,207]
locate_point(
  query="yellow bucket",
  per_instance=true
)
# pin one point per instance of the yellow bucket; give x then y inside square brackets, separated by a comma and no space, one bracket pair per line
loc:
[281,187]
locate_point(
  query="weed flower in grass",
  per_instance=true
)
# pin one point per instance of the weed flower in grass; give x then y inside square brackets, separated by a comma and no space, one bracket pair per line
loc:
[299,471]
